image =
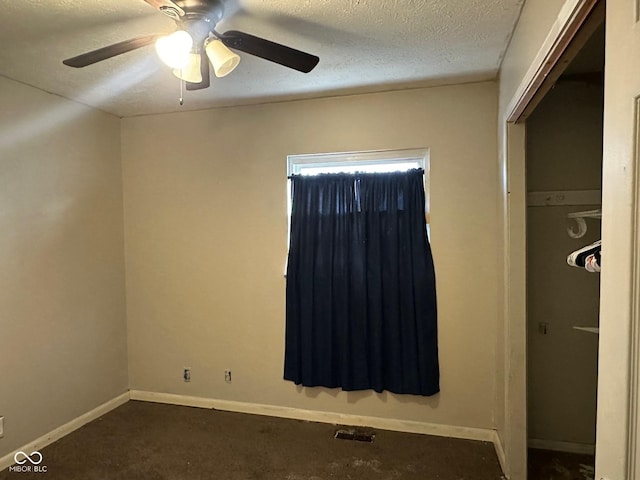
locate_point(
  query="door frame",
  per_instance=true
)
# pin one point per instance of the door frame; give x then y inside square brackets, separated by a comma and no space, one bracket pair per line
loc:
[571,29]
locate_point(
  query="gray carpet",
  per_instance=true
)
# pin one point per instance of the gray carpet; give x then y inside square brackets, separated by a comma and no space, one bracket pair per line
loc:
[140,441]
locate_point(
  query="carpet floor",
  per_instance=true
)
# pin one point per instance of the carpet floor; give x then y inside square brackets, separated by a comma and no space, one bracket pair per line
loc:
[549,465]
[141,441]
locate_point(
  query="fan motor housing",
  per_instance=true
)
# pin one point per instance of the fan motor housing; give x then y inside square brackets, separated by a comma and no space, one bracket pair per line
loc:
[209,10]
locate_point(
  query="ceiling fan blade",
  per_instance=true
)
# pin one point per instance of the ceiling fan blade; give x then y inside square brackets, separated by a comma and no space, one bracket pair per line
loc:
[204,70]
[110,51]
[274,52]
[162,4]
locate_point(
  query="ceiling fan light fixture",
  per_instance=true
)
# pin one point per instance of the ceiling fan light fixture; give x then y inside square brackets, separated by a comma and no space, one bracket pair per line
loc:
[191,71]
[174,49]
[224,61]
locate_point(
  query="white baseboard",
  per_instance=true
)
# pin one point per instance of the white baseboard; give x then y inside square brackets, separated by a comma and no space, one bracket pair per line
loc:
[65,429]
[502,458]
[408,426]
[569,447]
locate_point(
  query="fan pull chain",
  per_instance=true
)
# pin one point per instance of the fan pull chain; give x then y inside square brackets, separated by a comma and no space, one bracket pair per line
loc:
[181,92]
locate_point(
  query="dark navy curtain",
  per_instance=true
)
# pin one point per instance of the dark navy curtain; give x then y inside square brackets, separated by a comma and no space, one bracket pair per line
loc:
[361,297]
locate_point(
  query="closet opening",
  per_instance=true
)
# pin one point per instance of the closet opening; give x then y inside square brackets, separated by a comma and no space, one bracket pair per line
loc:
[563,176]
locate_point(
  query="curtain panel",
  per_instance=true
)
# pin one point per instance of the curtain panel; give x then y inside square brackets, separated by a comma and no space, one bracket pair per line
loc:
[361,298]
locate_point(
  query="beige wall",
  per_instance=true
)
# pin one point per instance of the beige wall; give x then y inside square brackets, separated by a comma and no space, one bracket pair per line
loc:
[535,23]
[62,318]
[206,230]
[564,152]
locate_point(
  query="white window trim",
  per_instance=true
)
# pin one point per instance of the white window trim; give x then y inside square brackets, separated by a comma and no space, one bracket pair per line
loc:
[419,155]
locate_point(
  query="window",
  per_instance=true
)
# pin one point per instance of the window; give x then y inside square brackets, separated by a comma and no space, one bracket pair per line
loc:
[351,162]
[360,296]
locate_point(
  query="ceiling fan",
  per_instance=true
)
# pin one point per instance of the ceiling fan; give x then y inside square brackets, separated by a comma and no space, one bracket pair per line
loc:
[196,42]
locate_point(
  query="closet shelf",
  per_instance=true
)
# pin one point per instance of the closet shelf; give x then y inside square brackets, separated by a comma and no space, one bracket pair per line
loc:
[595,330]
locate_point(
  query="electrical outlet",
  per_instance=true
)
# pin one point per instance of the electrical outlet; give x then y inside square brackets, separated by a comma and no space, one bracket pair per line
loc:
[1,427]
[227,376]
[186,375]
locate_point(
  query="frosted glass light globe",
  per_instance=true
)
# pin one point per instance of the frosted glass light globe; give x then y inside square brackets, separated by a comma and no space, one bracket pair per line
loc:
[174,49]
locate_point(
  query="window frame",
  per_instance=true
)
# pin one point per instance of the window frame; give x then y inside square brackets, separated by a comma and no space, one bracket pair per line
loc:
[296,163]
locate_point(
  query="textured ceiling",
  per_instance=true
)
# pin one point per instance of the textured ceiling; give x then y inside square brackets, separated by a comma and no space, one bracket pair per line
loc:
[363,45]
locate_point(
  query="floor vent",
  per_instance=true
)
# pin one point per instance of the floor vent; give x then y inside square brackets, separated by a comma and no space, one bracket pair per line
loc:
[355,435]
